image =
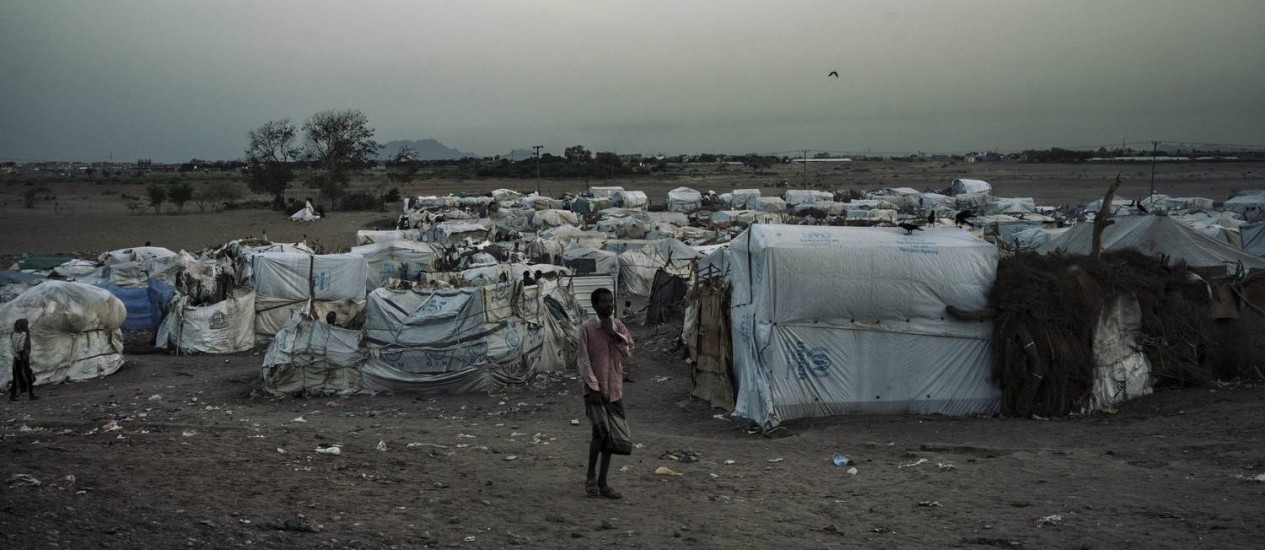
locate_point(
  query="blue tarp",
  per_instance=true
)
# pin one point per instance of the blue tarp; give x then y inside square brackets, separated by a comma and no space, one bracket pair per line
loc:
[144,304]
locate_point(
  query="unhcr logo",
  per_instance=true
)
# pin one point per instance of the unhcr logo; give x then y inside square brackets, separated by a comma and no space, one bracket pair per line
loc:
[818,238]
[805,361]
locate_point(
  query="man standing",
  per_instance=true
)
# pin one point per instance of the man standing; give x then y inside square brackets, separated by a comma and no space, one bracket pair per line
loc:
[23,376]
[603,342]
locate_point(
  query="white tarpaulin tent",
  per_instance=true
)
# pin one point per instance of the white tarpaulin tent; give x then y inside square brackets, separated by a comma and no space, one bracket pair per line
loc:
[604,192]
[457,231]
[839,320]
[584,260]
[371,236]
[965,186]
[637,267]
[281,282]
[1253,238]
[767,204]
[684,199]
[632,200]
[227,326]
[74,332]
[1250,205]
[1156,235]
[397,260]
[806,196]
[310,357]
[1000,205]
[554,218]
[305,214]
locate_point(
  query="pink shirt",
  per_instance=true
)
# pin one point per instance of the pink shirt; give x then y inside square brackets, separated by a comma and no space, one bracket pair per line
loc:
[600,365]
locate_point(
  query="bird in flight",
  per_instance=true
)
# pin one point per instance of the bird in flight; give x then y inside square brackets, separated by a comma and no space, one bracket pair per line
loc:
[834,74]
[909,228]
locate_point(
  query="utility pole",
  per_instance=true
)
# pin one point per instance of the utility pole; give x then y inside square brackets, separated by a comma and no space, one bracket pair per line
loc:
[1154,145]
[537,148]
[805,172]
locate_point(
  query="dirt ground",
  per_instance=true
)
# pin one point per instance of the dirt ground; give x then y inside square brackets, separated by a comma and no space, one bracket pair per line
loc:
[202,458]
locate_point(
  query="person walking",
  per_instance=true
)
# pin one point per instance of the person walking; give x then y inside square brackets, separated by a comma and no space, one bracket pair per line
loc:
[23,376]
[604,342]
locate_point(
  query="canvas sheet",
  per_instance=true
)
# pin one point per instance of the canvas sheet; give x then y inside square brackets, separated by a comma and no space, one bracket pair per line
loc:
[284,276]
[224,327]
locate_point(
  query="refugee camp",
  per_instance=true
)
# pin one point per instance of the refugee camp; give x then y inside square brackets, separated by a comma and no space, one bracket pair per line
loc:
[625,275]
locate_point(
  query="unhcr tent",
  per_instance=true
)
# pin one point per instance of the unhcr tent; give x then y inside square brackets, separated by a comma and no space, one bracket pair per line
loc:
[1156,235]
[839,320]
[397,260]
[284,282]
[74,332]
[684,199]
[227,326]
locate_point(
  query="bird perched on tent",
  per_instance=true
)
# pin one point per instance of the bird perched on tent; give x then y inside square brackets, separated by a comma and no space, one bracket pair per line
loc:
[1138,204]
[962,217]
[909,227]
[834,74]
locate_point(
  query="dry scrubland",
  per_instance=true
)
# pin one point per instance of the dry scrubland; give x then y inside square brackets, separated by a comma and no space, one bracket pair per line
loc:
[204,460]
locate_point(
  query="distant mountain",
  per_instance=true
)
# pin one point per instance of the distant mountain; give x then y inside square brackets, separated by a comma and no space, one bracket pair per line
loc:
[427,149]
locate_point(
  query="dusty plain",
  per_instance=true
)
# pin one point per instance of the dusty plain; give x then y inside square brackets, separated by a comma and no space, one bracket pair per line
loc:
[204,459]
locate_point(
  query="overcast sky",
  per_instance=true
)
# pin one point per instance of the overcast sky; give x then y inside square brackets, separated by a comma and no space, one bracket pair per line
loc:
[173,80]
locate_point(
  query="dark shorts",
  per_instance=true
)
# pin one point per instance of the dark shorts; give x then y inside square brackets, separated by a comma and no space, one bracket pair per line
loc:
[614,407]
